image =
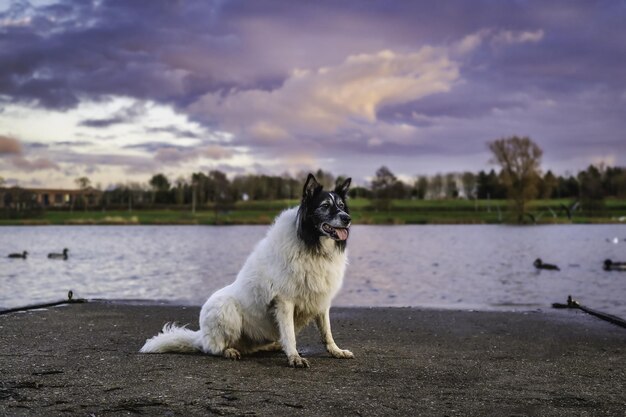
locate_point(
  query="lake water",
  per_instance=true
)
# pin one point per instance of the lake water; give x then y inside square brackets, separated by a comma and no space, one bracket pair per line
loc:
[455,267]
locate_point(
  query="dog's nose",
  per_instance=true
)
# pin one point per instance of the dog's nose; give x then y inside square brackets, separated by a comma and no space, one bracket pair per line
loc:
[345,218]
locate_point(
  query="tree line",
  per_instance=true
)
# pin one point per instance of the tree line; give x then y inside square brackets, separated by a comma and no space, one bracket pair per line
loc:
[518,179]
[214,187]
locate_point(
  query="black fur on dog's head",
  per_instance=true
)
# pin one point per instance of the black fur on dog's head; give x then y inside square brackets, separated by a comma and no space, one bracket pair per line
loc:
[324,214]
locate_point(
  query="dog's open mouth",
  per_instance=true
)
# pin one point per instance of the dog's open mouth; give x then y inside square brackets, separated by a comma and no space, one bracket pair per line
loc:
[337,233]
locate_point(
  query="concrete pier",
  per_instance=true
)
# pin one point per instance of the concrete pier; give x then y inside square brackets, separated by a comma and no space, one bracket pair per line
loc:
[83,360]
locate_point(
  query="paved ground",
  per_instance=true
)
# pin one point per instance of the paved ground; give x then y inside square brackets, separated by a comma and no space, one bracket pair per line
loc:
[82,360]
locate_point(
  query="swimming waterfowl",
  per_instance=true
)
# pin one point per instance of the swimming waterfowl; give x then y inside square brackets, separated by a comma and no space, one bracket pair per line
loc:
[540,265]
[58,255]
[609,265]
[19,255]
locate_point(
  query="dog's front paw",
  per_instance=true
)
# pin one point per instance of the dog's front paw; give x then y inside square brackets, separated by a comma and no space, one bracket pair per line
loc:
[232,353]
[296,361]
[342,354]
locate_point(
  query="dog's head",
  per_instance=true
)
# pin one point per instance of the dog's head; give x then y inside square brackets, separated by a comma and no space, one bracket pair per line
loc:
[324,214]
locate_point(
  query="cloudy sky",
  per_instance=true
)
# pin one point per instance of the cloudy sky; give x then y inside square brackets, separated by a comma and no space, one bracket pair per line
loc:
[120,90]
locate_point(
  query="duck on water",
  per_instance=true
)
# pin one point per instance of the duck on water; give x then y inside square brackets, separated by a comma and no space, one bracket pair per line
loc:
[609,265]
[540,265]
[59,255]
[22,255]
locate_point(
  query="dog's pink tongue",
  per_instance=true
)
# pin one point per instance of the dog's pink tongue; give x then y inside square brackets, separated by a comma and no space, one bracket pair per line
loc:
[342,233]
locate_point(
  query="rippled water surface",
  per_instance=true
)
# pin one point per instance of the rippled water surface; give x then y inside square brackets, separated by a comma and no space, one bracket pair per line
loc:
[466,267]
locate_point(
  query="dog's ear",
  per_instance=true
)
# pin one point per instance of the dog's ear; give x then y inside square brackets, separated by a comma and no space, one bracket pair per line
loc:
[311,186]
[342,189]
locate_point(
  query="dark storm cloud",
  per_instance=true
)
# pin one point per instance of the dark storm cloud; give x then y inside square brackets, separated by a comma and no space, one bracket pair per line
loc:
[72,143]
[36,145]
[174,131]
[161,50]
[125,115]
[99,123]
[553,70]
[176,51]
[83,50]
[153,146]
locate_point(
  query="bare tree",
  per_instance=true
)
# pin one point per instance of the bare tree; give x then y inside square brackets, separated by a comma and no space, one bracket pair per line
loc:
[519,159]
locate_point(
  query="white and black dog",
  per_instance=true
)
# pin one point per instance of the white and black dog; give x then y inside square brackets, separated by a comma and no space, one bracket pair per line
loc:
[288,280]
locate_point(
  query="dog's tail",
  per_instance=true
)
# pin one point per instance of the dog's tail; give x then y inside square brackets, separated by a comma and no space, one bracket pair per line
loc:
[174,338]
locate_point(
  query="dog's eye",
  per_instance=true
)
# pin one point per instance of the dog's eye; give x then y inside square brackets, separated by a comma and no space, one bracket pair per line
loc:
[325,205]
[340,205]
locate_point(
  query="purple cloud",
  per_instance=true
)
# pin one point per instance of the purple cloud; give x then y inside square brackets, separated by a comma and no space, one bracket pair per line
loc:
[38,164]
[13,151]
[10,146]
[331,81]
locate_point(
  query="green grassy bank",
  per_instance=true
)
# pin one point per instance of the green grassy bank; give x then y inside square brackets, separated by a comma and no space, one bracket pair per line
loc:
[363,211]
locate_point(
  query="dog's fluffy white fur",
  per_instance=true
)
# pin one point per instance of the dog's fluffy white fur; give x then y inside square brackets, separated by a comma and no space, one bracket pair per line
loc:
[281,287]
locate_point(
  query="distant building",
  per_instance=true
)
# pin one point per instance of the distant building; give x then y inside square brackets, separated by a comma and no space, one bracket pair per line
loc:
[15,197]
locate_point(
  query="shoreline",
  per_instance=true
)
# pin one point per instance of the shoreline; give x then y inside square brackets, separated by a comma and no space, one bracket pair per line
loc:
[389,222]
[363,211]
[521,308]
[82,359]
[185,304]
